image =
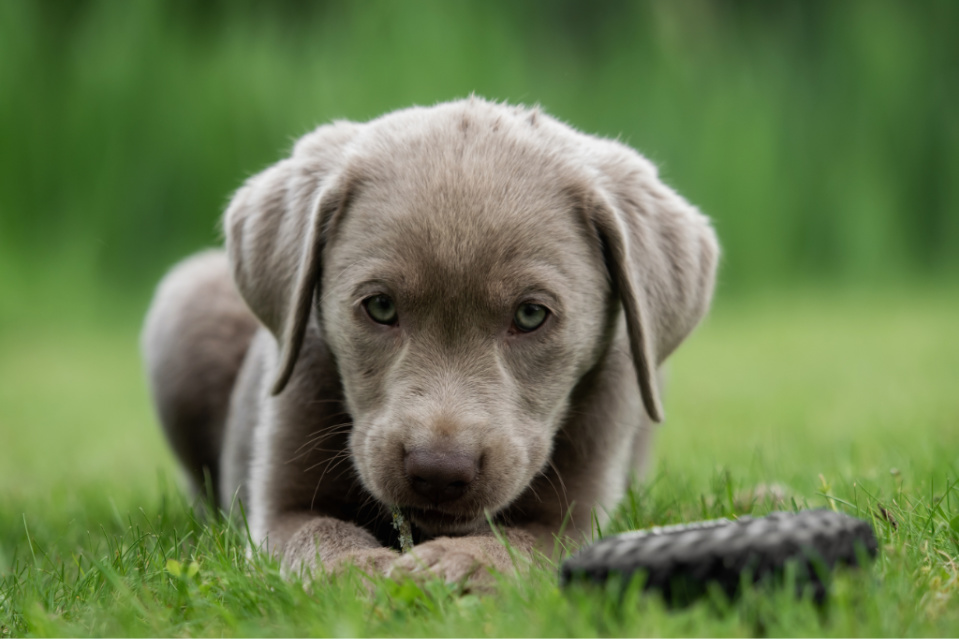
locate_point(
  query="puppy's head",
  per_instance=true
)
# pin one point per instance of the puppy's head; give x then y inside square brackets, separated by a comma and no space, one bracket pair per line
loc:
[466,265]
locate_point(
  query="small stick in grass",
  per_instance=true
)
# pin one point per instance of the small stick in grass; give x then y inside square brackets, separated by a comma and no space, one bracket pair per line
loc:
[402,525]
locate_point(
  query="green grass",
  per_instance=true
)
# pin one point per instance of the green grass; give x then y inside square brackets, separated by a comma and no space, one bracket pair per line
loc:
[846,399]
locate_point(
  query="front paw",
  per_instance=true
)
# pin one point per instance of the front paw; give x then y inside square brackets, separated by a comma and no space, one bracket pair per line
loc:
[326,546]
[461,560]
[372,562]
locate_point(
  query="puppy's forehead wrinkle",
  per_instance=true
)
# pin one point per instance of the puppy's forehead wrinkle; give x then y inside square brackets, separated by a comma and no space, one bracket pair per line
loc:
[495,255]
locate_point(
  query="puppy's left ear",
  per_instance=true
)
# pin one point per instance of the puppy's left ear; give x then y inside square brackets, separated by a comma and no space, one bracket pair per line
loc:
[661,254]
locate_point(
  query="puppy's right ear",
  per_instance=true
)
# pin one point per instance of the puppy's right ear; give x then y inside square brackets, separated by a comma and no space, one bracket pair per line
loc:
[276,227]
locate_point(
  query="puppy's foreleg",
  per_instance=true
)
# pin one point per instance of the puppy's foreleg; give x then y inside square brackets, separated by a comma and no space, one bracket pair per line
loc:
[314,545]
[468,560]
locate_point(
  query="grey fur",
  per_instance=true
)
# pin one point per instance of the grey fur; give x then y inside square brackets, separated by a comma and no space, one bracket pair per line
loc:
[460,212]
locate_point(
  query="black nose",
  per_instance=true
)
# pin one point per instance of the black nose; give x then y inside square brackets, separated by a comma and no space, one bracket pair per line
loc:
[440,476]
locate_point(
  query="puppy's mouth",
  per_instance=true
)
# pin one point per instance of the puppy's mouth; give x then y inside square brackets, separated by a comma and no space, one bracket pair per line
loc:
[437,522]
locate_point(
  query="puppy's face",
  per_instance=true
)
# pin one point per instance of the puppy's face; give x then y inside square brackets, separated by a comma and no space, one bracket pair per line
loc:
[463,297]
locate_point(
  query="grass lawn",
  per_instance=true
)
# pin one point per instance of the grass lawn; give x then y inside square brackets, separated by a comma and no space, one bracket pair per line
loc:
[843,400]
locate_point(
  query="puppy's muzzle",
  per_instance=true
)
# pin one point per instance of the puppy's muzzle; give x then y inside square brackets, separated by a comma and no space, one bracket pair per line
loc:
[440,476]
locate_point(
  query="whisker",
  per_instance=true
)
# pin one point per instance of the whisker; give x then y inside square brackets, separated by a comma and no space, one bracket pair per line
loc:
[321,437]
[322,434]
[325,433]
[329,465]
[533,490]
[564,498]
[339,456]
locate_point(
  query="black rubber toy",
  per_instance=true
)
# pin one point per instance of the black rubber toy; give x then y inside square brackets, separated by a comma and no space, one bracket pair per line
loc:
[681,561]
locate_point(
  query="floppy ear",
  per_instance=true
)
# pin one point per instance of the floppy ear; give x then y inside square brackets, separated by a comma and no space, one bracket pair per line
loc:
[276,227]
[661,254]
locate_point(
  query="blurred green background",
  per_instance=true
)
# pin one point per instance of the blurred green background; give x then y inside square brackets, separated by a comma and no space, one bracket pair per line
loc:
[822,137]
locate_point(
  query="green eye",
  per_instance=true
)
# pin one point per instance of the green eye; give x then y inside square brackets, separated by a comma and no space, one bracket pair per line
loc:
[529,317]
[381,309]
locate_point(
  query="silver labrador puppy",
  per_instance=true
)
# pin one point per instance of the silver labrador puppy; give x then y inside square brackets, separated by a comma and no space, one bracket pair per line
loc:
[458,310]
